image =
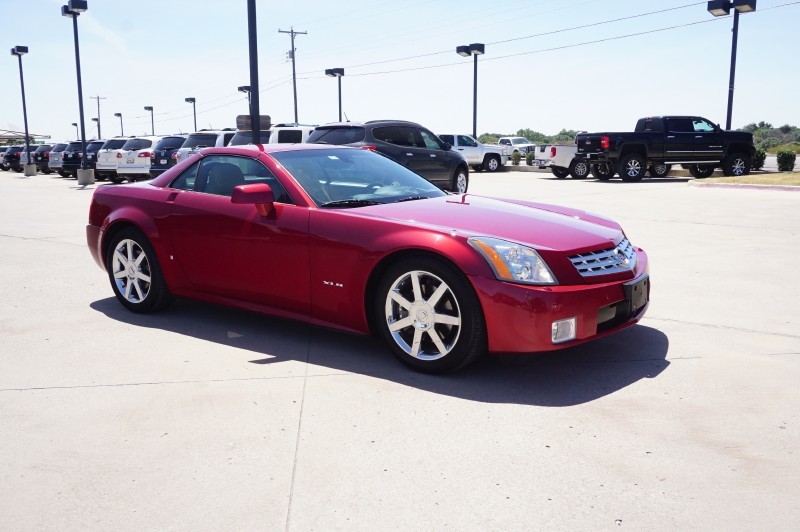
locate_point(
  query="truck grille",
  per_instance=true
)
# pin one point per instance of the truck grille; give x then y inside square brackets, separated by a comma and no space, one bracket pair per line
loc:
[620,258]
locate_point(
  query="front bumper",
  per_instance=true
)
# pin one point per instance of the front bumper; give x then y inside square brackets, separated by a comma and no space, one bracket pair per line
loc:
[519,318]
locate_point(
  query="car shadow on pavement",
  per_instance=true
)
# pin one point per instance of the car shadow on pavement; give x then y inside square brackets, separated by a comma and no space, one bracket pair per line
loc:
[566,377]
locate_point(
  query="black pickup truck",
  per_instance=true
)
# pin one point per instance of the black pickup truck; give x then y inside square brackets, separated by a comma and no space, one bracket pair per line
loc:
[661,141]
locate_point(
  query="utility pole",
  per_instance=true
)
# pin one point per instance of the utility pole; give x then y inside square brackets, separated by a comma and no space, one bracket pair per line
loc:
[294,76]
[98,98]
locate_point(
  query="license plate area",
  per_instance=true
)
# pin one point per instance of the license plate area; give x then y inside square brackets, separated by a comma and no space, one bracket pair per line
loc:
[637,293]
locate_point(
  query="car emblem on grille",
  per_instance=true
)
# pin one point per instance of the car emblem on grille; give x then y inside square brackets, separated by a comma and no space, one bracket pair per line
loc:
[620,259]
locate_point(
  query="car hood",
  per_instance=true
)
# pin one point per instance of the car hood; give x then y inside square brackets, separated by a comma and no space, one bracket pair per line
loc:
[544,227]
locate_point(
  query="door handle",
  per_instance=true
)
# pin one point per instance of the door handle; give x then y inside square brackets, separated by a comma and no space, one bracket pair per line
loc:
[461,149]
[433,155]
[171,197]
[670,136]
[410,154]
[698,136]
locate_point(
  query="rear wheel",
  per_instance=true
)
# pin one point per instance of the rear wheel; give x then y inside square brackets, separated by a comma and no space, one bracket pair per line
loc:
[429,315]
[116,179]
[134,272]
[602,171]
[701,171]
[491,163]
[736,164]
[559,172]
[632,167]
[578,169]
[460,180]
[660,169]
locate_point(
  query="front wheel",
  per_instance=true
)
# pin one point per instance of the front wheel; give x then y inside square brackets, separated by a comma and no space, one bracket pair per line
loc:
[701,171]
[429,315]
[578,169]
[135,274]
[491,163]
[660,169]
[460,180]
[559,172]
[736,164]
[632,167]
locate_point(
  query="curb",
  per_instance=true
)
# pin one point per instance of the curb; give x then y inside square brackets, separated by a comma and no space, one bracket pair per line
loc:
[788,188]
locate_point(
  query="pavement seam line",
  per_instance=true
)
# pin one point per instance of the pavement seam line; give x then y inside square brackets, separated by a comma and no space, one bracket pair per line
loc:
[299,430]
[715,326]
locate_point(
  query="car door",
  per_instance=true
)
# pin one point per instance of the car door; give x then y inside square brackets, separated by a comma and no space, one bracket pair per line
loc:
[228,249]
[679,140]
[707,145]
[438,161]
[469,149]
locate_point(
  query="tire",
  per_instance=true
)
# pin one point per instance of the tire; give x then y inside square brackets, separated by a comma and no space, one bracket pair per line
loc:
[660,170]
[578,169]
[477,168]
[701,171]
[135,274]
[114,178]
[491,163]
[460,182]
[449,334]
[632,167]
[736,164]
[47,171]
[559,172]
[602,171]
[62,173]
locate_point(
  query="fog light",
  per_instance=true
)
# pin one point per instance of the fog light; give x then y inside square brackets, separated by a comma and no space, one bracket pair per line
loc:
[564,330]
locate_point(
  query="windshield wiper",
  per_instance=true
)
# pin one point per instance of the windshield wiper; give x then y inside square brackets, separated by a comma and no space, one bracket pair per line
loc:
[413,198]
[351,203]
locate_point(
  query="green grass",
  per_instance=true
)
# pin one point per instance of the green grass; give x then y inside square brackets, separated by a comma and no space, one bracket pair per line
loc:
[779,178]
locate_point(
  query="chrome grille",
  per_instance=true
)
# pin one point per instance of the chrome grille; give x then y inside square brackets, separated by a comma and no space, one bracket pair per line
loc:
[620,258]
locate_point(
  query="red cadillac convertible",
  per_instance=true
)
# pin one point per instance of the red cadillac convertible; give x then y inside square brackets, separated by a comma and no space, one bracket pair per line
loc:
[346,238]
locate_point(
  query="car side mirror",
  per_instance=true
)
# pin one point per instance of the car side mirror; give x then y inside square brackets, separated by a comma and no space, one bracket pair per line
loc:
[258,194]
[447,147]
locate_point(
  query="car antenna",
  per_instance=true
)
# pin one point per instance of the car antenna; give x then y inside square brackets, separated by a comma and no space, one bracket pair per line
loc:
[345,117]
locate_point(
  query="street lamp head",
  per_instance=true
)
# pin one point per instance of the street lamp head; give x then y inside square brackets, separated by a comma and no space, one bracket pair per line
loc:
[75,124]
[19,50]
[118,115]
[189,100]
[463,51]
[334,72]
[65,12]
[78,6]
[244,88]
[744,6]
[148,107]
[719,8]
[476,48]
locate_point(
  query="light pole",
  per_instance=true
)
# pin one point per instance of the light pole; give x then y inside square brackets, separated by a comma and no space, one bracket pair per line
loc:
[121,131]
[337,73]
[194,110]
[721,8]
[73,9]
[30,168]
[77,133]
[97,121]
[152,120]
[252,94]
[474,49]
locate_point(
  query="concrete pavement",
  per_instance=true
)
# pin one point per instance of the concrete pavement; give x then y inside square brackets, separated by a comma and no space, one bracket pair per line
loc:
[203,417]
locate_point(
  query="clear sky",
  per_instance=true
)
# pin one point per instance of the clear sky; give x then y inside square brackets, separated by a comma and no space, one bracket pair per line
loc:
[400,62]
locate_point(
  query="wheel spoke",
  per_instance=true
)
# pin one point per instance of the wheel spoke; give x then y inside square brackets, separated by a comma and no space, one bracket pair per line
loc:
[129,251]
[408,321]
[142,277]
[400,300]
[415,344]
[437,295]
[138,289]
[120,274]
[415,286]
[122,260]
[447,319]
[128,290]
[437,341]
[139,259]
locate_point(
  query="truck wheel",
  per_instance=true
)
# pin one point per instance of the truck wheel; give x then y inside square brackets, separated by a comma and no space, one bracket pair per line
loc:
[701,171]
[632,167]
[491,163]
[736,164]
[660,169]
[603,171]
[559,172]
[578,169]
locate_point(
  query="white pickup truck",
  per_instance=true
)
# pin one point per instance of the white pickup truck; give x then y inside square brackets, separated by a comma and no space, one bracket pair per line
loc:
[560,158]
[518,144]
[479,156]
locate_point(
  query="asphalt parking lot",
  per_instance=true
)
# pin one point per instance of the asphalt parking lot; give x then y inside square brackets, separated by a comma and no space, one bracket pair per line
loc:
[203,417]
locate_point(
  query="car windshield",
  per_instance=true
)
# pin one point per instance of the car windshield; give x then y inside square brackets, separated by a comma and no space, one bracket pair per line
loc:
[59,147]
[42,149]
[519,140]
[74,146]
[169,143]
[200,139]
[347,178]
[114,144]
[137,144]
[337,135]
[246,137]
[95,146]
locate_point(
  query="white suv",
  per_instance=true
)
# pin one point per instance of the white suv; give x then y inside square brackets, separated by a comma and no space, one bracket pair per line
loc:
[134,158]
[277,134]
[205,138]
[107,159]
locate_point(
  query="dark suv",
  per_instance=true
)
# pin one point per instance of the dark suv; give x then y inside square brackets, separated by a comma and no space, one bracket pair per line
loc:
[407,143]
[164,154]
[74,153]
[11,158]
[41,158]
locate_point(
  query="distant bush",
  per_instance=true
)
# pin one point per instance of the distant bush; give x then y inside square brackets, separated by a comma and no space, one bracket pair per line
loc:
[529,158]
[786,160]
[758,159]
[515,158]
[768,143]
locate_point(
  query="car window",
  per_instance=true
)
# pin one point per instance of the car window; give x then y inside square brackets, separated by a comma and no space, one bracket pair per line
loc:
[200,139]
[680,125]
[74,146]
[226,139]
[290,136]
[430,140]
[219,174]
[114,144]
[703,126]
[185,181]
[169,143]
[464,140]
[397,135]
[137,144]
[94,146]
[519,140]
[450,139]
[337,135]
[59,147]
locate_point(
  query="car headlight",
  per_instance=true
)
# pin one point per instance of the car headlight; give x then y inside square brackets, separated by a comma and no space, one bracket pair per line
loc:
[513,262]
